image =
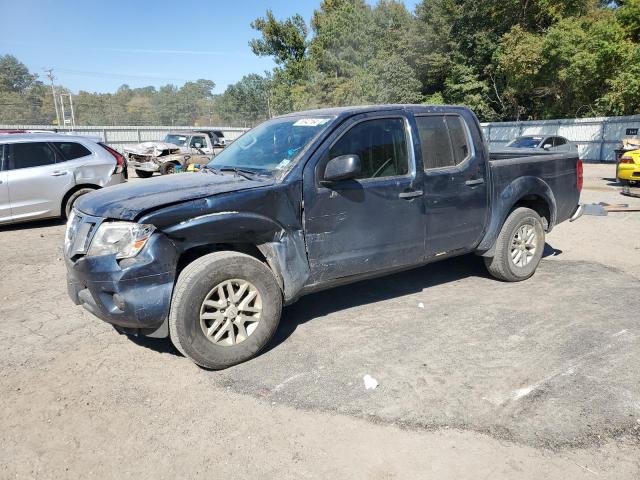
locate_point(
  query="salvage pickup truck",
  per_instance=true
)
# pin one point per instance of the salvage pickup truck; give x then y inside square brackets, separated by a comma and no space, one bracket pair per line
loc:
[304,202]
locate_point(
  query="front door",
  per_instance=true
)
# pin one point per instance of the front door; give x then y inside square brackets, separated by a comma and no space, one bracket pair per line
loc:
[455,184]
[199,145]
[37,183]
[375,222]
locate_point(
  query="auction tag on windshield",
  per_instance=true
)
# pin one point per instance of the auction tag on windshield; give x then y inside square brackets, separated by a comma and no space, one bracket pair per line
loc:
[311,122]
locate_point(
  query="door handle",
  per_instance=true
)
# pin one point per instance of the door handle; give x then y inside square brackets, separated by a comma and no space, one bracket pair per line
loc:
[471,183]
[409,195]
[58,173]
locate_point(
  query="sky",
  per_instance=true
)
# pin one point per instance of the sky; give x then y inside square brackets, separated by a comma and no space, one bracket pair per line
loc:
[98,45]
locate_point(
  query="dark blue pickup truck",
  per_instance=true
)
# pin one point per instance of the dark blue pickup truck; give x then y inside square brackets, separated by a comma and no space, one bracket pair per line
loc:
[303,202]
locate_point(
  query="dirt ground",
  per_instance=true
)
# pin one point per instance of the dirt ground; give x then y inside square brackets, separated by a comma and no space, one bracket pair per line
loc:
[478,379]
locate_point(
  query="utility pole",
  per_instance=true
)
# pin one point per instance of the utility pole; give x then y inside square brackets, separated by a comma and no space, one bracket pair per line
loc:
[49,73]
[64,112]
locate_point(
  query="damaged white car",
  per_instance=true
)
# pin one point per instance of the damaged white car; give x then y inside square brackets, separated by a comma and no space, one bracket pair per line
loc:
[177,151]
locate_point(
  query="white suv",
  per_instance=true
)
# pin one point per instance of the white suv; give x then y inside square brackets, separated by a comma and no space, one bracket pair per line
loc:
[42,175]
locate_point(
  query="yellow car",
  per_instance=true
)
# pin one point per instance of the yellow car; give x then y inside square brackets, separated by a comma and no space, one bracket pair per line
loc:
[628,169]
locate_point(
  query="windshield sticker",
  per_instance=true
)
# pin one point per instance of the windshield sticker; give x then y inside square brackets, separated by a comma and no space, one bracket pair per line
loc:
[311,122]
[283,164]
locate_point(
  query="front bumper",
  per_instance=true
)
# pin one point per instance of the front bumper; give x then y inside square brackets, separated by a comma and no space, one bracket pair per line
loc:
[132,294]
[144,166]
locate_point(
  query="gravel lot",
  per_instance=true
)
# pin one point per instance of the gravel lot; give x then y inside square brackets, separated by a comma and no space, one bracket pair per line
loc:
[478,379]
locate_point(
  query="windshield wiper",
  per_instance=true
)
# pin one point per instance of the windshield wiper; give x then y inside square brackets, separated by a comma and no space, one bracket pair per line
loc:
[248,174]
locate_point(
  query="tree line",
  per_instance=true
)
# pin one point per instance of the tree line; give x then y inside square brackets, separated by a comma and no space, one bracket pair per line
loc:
[507,60]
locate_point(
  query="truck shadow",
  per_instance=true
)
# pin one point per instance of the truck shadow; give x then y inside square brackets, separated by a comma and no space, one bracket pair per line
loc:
[33,224]
[385,288]
[361,293]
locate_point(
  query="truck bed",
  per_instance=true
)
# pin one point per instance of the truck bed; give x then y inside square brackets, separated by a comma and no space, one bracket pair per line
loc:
[557,171]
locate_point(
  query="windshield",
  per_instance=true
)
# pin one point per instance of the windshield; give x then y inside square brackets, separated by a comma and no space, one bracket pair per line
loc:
[271,147]
[525,142]
[179,140]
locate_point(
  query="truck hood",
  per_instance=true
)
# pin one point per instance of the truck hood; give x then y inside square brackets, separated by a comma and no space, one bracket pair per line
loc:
[128,201]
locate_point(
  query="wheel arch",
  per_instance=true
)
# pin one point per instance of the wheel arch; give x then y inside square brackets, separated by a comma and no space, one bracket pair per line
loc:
[530,192]
[73,190]
[281,249]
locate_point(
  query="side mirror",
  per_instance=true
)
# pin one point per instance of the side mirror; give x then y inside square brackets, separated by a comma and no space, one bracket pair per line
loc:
[547,146]
[344,167]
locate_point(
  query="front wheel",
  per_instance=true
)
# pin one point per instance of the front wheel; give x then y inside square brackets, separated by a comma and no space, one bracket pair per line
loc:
[519,247]
[168,168]
[226,306]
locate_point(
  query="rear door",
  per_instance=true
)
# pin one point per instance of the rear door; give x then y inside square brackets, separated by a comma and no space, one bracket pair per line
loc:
[455,183]
[375,222]
[37,184]
[5,206]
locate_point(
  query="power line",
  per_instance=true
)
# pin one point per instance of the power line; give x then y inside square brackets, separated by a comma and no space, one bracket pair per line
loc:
[86,73]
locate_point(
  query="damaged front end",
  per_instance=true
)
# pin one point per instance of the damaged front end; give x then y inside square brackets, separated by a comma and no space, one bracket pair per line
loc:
[150,156]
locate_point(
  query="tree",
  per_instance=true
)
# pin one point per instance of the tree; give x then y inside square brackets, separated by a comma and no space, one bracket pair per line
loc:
[246,102]
[14,75]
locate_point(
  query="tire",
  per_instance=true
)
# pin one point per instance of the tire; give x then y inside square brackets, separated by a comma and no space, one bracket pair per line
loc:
[72,200]
[143,174]
[168,168]
[197,283]
[502,265]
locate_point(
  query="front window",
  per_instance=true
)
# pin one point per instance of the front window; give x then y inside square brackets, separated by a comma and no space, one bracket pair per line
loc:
[381,145]
[272,147]
[525,142]
[198,142]
[178,140]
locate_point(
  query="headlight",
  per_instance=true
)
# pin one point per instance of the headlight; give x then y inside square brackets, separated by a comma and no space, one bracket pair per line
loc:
[124,239]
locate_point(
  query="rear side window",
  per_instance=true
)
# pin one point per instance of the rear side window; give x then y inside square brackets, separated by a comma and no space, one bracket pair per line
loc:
[435,142]
[27,155]
[72,150]
[459,138]
[443,140]
[381,145]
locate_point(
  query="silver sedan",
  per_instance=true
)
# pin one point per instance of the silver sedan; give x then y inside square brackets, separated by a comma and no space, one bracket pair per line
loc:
[42,175]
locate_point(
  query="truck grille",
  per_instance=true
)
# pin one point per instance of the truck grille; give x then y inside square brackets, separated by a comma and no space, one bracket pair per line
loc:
[80,230]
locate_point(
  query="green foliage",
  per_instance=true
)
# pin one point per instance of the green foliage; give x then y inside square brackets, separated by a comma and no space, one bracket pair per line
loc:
[512,59]
[246,102]
[14,75]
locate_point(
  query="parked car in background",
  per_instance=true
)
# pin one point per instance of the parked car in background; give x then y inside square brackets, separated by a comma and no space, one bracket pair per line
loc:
[42,175]
[549,143]
[193,142]
[217,137]
[628,167]
[179,149]
[534,144]
[304,202]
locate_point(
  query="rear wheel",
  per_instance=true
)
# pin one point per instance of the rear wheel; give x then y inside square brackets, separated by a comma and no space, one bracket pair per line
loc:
[226,307]
[519,247]
[143,173]
[68,206]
